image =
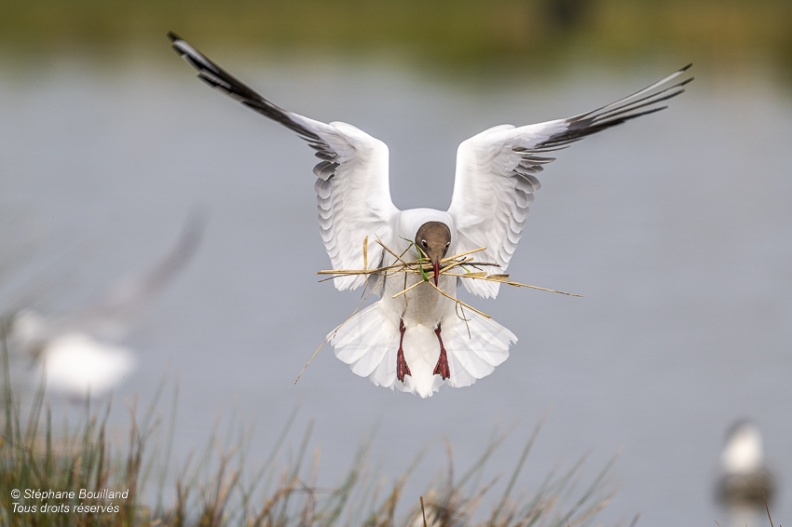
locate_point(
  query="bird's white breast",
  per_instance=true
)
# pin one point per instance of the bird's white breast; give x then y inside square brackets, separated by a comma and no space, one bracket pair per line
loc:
[422,305]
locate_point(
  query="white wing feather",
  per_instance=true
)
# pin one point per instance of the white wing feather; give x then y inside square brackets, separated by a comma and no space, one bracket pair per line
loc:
[353,197]
[352,189]
[495,175]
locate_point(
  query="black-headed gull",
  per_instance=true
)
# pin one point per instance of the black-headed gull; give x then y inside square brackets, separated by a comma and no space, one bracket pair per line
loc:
[420,340]
[79,354]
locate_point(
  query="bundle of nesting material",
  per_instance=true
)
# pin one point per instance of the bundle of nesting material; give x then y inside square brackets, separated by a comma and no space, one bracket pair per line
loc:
[463,265]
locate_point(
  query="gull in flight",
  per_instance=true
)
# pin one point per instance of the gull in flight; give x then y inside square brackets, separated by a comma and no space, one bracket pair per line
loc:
[79,354]
[421,340]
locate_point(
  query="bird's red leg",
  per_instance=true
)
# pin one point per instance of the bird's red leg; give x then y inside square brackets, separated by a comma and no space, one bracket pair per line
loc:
[401,365]
[442,368]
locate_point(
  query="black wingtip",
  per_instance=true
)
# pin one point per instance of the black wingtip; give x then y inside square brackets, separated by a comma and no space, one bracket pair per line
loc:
[173,36]
[683,70]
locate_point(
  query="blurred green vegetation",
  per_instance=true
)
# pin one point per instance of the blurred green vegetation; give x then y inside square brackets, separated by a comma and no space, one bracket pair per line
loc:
[222,488]
[452,32]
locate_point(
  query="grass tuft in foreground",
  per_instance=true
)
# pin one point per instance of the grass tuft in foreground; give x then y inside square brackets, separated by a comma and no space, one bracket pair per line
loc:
[220,489]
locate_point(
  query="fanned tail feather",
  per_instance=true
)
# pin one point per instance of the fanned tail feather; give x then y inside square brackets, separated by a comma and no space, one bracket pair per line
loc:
[475,346]
[369,341]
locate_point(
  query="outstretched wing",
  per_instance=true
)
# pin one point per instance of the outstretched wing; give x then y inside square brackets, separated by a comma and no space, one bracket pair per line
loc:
[112,315]
[352,188]
[495,173]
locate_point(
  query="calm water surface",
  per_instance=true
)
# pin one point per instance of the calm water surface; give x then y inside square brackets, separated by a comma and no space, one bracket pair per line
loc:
[676,229]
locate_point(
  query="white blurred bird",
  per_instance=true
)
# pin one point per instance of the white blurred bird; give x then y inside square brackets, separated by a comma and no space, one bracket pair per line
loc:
[78,354]
[745,478]
[420,340]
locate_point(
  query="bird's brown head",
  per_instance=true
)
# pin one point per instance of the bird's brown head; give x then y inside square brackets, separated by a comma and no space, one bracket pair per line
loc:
[433,239]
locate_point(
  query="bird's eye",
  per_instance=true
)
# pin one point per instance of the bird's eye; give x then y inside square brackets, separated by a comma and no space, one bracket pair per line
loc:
[447,244]
[424,244]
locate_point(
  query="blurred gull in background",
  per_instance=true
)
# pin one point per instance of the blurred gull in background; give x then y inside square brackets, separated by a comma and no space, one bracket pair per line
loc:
[745,478]
[79,354]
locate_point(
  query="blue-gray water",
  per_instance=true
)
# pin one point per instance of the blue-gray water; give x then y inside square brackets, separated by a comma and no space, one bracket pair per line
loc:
[675,228]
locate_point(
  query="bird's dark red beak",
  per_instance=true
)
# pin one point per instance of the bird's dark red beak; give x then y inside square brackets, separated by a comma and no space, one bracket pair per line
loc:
[436,265]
